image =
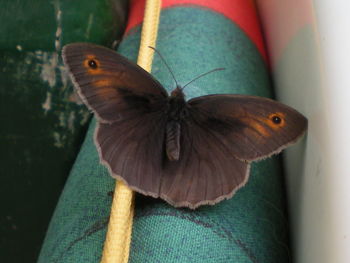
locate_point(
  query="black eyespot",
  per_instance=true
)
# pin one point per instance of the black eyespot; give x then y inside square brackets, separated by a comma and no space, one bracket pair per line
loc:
[92,64]
[276,119]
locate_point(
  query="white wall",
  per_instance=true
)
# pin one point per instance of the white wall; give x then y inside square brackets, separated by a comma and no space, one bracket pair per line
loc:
[309,46]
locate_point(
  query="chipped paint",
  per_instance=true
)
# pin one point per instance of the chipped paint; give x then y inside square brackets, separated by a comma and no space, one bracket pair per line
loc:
[58,11]
[60,100]
[59,88]
[58,140]
[115,43]
[47,104]
[58,37]
[28,61]
[85,117]
[89,25]
[71,121]
[49,65]
[58,33]
[75,98]
[50,60]
[67,120]
[64,76]
[62,119]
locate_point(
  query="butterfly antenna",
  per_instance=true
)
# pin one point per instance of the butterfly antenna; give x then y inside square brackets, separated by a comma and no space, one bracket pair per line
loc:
[160,55]
[202,75]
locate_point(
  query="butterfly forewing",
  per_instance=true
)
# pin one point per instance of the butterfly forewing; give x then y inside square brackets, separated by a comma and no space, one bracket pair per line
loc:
[110,85]
[133,150]
[252,127]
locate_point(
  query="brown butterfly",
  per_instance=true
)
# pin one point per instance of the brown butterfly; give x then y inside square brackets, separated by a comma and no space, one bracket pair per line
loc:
[189,153]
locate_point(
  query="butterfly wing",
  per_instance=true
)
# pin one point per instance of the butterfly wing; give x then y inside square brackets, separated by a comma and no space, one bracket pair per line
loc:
[130,106]
[133,150]
[110,85]
[206,172]
[253,127]
[222,135]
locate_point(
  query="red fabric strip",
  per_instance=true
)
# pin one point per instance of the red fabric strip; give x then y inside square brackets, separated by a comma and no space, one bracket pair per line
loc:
[242,12]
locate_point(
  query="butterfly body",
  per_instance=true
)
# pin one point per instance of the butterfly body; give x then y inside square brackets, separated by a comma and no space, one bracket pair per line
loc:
[176,113]
[189,153]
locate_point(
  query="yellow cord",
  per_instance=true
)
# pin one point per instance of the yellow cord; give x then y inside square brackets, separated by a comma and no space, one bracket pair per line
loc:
[117,244]
[149,33]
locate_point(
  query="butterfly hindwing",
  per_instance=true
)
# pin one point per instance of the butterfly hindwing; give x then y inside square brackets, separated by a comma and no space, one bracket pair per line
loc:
[206,172]
[111,85]
[133,150]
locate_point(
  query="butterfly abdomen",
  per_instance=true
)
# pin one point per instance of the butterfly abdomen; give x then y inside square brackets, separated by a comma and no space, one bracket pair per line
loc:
[176,113]
[172,140]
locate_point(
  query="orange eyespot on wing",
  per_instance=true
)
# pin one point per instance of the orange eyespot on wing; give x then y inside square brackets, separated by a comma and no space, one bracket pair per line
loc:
[276,120]
[94,67]
[92,64]
[262,125]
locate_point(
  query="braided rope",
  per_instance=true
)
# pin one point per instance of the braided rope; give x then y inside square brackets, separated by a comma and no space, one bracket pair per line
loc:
[117,244]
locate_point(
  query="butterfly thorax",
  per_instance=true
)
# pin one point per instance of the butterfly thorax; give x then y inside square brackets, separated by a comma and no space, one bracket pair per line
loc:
[177,106]
[177,111]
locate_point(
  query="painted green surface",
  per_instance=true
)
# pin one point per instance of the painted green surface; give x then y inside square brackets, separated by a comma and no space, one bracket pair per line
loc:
[37,24]
[42,122]
[251,227]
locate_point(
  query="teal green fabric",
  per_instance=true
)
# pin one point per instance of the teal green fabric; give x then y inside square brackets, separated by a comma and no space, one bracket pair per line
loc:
[250,227]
